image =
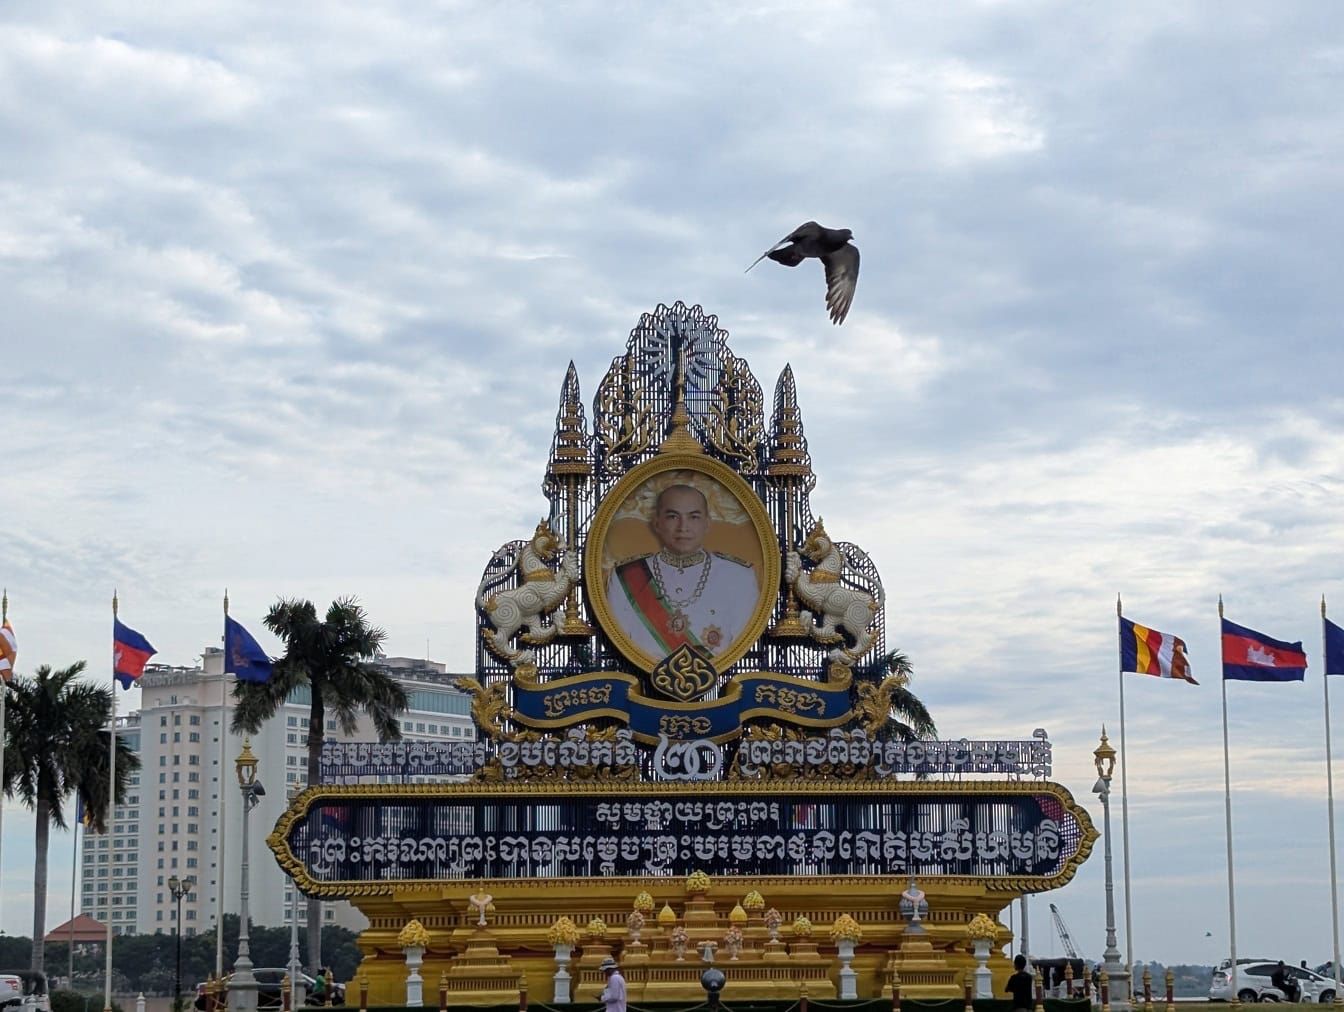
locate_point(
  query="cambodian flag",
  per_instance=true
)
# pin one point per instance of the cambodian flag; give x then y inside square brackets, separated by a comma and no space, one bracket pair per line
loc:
[130,653]
[1250,656]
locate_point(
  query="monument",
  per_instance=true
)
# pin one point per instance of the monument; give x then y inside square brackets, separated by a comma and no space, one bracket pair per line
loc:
[683,696]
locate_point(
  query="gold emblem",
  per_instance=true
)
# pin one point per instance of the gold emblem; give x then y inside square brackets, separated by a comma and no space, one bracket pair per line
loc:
[683,674]
[712,637]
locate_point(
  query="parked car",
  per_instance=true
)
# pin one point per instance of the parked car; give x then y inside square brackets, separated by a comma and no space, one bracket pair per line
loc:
[32,993]
[268,987]
[1253,982]
[11,991]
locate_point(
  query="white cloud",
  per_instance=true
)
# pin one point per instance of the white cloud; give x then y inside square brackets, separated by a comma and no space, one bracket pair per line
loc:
[288,299]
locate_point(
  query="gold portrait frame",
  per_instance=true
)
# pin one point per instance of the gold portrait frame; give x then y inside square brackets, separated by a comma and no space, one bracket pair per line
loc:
[597,559]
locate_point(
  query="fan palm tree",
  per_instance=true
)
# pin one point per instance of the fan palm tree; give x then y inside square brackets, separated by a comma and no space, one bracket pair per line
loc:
[57,745]
[910,718]
[329,657]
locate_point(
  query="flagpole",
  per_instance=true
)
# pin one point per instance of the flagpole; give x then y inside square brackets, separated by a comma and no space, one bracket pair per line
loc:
[1330,807]
[4,695]
[1227,802]
[74,875]
[1124,810]
[111,796]
[223,741]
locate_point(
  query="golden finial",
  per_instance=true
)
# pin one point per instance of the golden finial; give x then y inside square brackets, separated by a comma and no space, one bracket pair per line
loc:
[679,439]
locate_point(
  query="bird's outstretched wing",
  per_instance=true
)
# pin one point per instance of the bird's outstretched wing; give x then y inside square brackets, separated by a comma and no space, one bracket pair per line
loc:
[842,274]
[808,230]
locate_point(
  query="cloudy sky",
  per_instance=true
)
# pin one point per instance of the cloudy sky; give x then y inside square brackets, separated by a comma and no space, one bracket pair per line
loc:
[287,294]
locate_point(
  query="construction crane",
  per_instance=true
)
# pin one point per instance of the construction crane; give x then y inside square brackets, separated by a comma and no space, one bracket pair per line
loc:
[1064,938]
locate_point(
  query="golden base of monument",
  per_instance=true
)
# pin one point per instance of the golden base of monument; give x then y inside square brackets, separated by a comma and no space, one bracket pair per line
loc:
[484,966]
[481,975]
[923,972]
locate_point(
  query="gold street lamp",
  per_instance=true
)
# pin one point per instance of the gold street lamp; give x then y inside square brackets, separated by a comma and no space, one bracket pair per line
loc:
[1104,758]
[242,984]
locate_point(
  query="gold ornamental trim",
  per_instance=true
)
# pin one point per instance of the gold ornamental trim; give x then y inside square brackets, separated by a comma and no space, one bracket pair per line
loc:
[594,576]
[619,790]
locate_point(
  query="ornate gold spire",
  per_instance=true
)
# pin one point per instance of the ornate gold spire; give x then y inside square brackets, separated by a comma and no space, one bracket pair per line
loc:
[679,438]
[788,445]
[569,449]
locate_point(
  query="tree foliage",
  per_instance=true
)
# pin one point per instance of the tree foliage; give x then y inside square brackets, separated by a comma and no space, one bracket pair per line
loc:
[56,746]
[329,657]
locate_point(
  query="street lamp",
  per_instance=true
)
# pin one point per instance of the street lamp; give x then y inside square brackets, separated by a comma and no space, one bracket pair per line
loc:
[295,984]
[242,985]
[1104,757]
[179,888]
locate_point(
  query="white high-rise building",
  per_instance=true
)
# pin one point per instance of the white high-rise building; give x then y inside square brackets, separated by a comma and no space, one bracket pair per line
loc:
[171,822]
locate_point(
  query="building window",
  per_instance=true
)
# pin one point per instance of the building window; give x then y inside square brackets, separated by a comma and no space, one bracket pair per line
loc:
[195,720]
[163,739]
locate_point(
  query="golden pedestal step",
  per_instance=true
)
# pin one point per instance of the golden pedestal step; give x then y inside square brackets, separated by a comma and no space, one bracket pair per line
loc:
[481,976]
[923,974]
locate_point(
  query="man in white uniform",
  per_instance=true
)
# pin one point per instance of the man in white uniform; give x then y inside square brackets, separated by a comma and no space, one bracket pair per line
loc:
[682,594]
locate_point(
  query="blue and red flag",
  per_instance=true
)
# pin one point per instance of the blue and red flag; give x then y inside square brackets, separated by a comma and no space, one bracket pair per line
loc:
[243,654]
[1334,648]
[1250,656]
[130,653]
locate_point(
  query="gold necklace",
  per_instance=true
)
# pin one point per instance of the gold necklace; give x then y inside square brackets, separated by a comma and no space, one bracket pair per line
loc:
[678,621]
[682,562]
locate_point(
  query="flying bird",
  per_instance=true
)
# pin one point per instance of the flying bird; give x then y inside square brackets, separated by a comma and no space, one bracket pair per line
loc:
[837,254]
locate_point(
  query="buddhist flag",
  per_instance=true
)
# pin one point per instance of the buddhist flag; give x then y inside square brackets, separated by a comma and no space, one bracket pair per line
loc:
[1250,656]
[9,650]
[1149,652]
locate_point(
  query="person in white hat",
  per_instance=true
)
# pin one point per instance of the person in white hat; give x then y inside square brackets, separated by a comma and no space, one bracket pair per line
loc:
[613,995]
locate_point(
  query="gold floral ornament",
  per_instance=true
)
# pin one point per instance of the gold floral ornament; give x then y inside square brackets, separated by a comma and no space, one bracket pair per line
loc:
[667,915]
[644,902]
[982,929]
[754,901]
[413,934]
[597,929]
[738,915]
[563,932]
[846,929]
[802,927]
[697,882]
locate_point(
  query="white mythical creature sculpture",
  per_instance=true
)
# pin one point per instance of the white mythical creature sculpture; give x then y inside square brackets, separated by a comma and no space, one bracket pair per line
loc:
[540,594]
[823,595]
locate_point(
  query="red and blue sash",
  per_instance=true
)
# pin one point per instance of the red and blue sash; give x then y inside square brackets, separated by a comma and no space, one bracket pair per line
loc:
[637,582]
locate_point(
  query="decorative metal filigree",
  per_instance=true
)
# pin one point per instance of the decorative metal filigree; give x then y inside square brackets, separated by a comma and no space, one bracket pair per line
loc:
[676,382]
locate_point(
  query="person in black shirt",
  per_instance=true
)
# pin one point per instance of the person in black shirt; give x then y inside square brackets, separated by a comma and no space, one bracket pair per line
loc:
[1284,981]
[1020,984]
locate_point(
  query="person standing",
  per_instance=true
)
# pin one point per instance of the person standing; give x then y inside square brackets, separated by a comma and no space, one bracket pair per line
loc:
[1020,985]
[613,995]
[319,995]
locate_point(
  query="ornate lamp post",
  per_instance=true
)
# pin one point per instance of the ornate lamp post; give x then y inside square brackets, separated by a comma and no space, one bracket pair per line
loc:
[179,888]
[242,985]
[1115,970]
[295,984]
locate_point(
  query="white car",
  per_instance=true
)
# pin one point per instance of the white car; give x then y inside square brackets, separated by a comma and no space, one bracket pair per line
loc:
[1253,982]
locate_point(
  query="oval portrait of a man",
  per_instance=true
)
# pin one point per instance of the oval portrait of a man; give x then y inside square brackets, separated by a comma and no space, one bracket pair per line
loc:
[682,555]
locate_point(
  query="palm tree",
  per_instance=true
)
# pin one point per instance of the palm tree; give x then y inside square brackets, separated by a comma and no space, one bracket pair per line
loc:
[330,658]
[908,717]
[57,745]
